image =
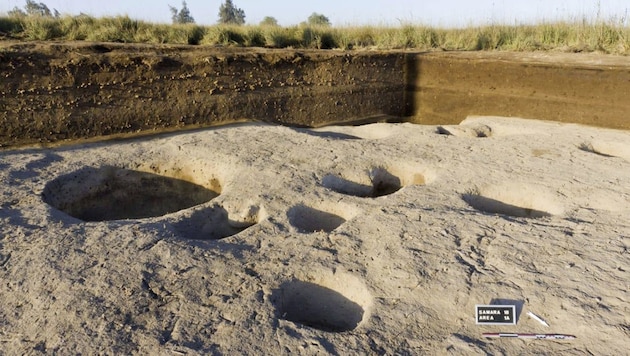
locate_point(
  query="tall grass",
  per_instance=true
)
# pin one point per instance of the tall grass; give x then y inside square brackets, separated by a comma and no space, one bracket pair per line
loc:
[582,35]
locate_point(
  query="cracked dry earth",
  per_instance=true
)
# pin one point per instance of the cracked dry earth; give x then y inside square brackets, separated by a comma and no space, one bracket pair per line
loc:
[374,239]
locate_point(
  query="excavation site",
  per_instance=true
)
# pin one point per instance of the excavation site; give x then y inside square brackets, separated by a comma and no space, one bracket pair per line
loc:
[203,200]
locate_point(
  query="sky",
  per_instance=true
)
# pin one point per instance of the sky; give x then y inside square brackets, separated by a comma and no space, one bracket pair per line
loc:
[438,13]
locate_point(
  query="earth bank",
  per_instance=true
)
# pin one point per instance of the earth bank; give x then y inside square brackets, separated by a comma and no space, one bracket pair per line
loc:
[65,91]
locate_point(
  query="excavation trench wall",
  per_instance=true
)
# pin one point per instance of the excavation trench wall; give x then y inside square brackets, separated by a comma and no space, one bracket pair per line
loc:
[64,91]
[53,92]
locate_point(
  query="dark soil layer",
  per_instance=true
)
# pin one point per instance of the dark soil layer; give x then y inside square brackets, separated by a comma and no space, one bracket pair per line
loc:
[74,90]
[60,91]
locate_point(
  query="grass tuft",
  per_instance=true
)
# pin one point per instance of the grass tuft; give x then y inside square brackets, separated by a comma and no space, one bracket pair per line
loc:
[611,36]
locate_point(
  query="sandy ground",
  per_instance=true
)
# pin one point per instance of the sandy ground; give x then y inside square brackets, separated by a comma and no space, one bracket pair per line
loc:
[374,239]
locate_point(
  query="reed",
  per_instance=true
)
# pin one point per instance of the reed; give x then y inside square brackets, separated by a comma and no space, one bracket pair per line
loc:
[610,36]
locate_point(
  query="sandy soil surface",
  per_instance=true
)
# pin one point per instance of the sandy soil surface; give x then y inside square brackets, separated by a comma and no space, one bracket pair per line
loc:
[374,239]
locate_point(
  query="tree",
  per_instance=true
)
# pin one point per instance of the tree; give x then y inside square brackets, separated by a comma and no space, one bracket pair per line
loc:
[318,20]
[37,9]
[33,8]
[230,14]
[181,16]
[269,21]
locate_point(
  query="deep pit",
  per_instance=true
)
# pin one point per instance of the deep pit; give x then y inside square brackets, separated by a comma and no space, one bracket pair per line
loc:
[112,193]
[376,183]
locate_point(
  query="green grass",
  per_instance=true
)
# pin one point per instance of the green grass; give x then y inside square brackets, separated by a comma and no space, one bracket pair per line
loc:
[577,36]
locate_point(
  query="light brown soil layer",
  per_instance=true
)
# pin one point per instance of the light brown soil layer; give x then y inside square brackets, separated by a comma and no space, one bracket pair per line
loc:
[589,89]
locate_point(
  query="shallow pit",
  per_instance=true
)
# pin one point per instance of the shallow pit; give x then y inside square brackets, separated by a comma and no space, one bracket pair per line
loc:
[308,220]
[513,200]
[216,223]
[607,148]
[112,193]
[479,131]
[319,307]
[330,302]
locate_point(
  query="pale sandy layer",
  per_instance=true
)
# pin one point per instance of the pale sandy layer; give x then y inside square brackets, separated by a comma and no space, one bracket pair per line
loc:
[296,255]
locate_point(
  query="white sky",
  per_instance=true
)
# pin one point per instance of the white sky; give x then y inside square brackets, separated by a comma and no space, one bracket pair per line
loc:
[444,13]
